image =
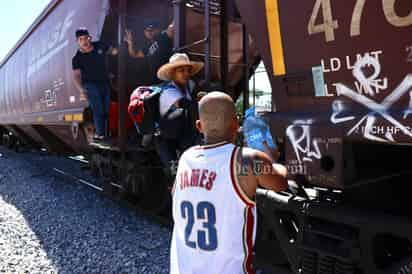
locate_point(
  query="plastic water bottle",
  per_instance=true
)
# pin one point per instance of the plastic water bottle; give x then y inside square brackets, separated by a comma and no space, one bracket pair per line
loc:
[256,131]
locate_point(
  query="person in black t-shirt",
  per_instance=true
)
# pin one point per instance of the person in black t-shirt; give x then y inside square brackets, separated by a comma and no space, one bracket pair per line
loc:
[158,49]
[91,78]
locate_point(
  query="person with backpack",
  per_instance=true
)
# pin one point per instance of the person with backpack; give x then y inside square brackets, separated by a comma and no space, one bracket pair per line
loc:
[178,109]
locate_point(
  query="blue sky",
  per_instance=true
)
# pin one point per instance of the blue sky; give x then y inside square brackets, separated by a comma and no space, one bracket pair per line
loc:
[16,16]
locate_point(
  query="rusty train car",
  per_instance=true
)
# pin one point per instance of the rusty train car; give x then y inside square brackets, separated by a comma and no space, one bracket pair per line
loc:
[341,80]
[40,106]
[340,74]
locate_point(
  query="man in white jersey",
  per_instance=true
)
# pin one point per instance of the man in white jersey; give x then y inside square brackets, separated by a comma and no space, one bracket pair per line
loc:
[213,196]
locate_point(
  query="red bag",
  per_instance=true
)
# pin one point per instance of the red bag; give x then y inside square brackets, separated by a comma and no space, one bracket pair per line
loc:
[136,105]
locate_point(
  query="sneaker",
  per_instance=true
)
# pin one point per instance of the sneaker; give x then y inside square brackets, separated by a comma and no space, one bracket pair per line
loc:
[98,137]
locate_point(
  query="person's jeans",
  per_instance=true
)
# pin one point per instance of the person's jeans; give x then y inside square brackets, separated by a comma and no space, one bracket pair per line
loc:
[168,151]
[98,95]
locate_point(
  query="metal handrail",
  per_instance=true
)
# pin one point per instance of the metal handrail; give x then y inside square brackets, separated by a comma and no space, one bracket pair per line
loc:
[199,42]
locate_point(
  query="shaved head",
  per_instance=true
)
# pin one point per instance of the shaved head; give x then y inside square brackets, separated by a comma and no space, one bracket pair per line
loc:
[217,117]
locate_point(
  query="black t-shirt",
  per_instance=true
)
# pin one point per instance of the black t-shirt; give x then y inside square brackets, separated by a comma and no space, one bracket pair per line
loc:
[158,52]
[92,64]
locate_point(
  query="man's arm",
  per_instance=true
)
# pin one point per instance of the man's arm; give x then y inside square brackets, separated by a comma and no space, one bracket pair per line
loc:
[170,31]
[270,175]
[77,80]
[130,46]
[256,168]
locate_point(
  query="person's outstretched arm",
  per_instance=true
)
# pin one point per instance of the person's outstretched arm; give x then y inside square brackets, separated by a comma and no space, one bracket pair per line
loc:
[130,46]
[170,31]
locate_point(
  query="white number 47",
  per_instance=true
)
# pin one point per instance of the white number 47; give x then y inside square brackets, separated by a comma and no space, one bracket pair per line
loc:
[329,25]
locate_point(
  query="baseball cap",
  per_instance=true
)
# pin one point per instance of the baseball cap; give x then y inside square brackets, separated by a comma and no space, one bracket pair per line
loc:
[81,32]
[151,24]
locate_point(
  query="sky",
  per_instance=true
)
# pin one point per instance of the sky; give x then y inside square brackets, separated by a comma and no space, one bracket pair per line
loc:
[16,16]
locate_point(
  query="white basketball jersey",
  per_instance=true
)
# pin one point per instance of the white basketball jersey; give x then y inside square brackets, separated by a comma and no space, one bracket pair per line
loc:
[214,221]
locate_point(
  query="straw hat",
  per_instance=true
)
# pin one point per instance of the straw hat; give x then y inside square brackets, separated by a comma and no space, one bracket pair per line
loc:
[178,60]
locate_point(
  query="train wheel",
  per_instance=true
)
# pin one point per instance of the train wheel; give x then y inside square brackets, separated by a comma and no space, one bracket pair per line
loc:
[10,141]
[5,139]
[94,164]
[150,188]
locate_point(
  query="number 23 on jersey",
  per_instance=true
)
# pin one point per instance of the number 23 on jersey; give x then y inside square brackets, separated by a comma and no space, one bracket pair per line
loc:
[202,216]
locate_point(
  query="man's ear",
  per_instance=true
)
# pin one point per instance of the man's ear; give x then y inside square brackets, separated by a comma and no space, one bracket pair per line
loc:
[235,124]
[199,126]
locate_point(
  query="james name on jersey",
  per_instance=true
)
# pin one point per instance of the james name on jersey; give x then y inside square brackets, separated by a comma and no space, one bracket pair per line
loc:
[202,178]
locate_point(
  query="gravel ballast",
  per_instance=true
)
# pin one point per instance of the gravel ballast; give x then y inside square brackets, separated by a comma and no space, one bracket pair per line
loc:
[49,225]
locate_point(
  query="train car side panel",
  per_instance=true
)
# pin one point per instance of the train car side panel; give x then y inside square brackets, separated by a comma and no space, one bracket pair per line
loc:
[38,74]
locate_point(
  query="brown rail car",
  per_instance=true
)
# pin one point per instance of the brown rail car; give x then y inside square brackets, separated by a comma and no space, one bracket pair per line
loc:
[39,104]
[340,73]
[341,79]
[36,86]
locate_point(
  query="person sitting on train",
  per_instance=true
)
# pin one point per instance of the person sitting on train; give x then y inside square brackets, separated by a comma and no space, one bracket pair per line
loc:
[91,78]
[158,48]
[178,108]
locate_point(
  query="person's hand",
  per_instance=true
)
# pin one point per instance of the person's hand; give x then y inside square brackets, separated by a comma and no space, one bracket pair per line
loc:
[115,51]
[171,30]
[128,38]
[272,153]
[171,27]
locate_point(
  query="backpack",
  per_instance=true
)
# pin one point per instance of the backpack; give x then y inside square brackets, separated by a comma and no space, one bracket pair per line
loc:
[144,107]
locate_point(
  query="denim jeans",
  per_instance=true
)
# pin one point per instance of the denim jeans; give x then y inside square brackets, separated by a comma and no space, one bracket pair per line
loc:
[98,95]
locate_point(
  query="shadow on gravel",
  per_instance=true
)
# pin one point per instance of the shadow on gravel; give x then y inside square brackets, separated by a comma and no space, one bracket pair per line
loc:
[80,230]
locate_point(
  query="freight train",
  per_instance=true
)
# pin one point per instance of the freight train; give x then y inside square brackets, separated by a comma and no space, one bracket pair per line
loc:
[340,75]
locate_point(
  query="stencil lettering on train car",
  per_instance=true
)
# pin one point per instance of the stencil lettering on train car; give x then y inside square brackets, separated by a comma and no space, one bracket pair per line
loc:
[329,25]
[370,85]
[409,52]
[302,142]
[375,109]
[50,98]
[49,48]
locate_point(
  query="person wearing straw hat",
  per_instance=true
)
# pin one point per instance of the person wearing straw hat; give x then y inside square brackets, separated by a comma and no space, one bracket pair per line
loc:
[177,108]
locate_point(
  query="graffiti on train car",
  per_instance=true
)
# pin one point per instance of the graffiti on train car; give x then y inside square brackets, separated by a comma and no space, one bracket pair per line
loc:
[374,109]
[308,145]
[305,147]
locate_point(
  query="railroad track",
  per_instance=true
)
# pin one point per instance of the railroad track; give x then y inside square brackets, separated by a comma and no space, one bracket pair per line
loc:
[115,192]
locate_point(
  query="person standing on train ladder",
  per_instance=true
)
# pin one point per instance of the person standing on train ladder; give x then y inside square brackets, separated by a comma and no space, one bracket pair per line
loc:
[213,196]
[91,78]
[158,48]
